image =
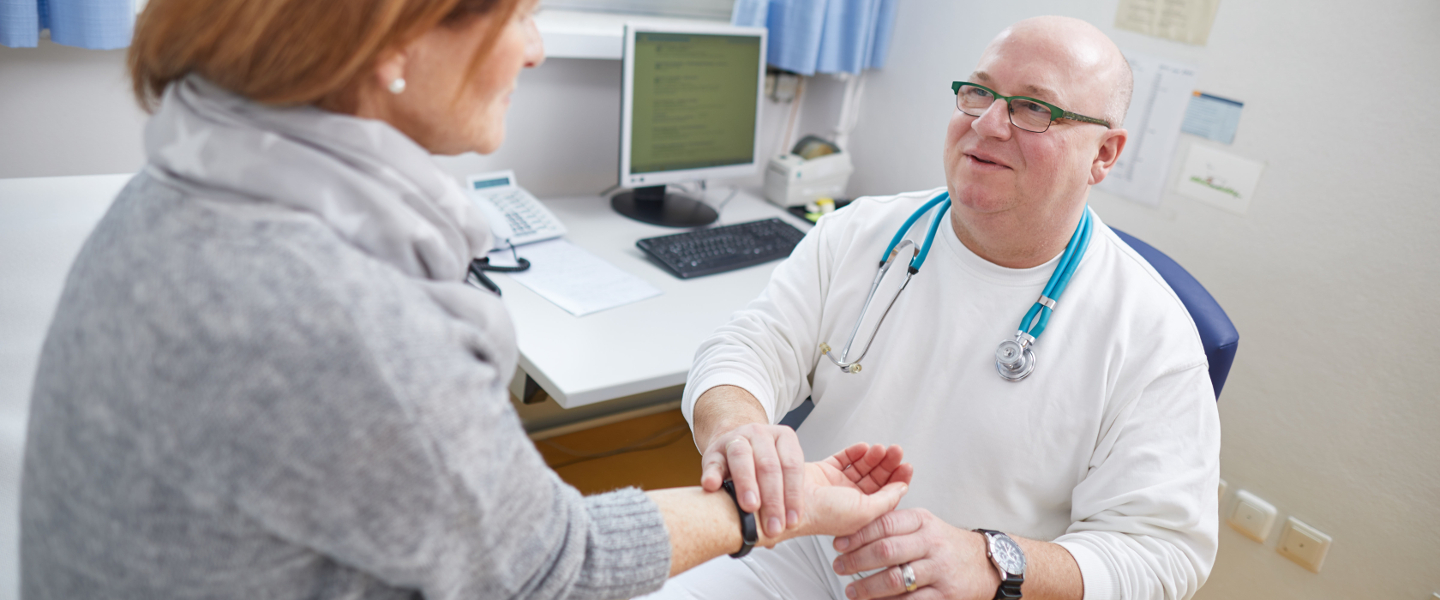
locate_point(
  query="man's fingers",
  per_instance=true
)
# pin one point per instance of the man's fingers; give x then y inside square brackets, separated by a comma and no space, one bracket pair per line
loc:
[891,583]
[882,553]
[771,478]
[740,459]
[899,522]
[792,466]
[713,469]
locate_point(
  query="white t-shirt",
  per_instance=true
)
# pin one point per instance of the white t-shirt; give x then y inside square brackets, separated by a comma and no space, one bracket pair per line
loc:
[1110,447]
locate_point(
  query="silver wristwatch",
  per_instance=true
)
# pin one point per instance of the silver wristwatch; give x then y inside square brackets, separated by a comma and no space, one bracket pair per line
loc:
[1009,559]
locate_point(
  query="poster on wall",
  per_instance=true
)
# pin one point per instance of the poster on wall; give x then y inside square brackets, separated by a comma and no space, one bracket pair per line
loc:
[1162,92]
[1186,21]
[1219,178]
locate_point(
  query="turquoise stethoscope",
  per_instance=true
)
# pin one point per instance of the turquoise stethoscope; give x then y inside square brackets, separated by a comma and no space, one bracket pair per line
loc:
[1014,358]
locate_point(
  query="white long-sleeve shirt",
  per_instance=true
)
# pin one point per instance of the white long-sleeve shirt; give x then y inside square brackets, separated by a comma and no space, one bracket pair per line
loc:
[1109,448]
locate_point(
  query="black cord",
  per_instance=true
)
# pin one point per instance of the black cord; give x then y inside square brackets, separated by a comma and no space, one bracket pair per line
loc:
[479,266]
[521,264]
[478,273]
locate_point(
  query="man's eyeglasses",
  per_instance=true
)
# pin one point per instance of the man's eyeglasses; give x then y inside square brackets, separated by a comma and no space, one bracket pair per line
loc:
[1029,114]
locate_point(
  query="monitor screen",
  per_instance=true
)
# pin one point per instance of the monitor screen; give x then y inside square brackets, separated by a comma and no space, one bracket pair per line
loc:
[692,104]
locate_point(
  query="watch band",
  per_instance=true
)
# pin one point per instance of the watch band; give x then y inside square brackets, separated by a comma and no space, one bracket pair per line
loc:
[1009,588]
[748,534]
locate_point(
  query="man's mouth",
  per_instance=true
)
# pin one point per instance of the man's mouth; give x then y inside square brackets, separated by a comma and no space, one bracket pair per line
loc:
[983,161]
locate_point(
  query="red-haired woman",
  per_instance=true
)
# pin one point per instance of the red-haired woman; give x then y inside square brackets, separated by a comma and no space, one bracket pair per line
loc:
[267,378]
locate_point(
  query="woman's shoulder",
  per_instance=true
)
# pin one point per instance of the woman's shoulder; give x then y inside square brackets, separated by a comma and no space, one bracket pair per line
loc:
[233,270]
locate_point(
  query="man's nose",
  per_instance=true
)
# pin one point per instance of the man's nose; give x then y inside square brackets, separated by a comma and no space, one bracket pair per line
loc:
[995,121]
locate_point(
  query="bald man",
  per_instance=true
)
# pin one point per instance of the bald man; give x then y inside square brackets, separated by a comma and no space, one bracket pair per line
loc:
[1094,476]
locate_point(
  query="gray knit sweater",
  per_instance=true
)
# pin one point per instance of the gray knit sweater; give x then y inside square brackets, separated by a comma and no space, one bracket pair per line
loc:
[234,403]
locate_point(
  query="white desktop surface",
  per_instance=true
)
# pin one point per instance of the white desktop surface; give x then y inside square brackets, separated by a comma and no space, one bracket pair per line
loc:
[639,347]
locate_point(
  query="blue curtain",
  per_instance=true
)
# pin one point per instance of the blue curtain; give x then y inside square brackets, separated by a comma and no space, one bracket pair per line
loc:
[821,36]
[93,24]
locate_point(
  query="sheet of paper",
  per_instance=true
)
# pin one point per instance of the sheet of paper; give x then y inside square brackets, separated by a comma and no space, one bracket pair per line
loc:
[1219,178]
[1212,117]
[1162,90]
[1185,21]
[578,281]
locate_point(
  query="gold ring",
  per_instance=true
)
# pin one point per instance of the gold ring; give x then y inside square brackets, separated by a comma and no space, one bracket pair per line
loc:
[908,574]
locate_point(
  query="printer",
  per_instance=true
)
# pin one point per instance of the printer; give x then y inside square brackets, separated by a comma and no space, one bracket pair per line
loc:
[815,168]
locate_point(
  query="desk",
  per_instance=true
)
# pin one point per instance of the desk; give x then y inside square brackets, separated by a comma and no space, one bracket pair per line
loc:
[638,348]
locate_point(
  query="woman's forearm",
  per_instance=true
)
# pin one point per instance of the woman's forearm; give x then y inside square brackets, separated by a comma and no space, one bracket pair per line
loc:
[702,525]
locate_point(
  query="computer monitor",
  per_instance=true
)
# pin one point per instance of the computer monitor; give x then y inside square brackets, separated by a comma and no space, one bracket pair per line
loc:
[690,111]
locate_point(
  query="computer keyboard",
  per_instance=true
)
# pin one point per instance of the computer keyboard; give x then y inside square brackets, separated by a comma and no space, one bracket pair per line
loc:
[725,248]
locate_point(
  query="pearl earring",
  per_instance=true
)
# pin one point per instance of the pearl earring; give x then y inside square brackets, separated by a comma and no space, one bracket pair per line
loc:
[397,85]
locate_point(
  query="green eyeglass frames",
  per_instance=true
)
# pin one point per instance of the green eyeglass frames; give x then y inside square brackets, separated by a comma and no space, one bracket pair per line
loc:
[1029,114]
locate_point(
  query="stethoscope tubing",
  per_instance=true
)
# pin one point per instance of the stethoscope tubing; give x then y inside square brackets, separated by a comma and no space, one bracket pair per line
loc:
[1069,261]
[1031,326]
[929,234]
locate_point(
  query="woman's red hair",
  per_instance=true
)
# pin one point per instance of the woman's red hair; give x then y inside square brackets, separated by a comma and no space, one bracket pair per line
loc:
[288,52]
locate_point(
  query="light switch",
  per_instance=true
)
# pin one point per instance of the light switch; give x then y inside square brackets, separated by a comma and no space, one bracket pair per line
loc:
[1223,485]
[1303,544]
[1252,516]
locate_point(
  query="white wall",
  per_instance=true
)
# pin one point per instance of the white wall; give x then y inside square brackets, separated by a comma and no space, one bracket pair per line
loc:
[66,111]
[1330,412]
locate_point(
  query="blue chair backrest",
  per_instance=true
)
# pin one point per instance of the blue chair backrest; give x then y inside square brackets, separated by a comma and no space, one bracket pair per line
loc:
[1217,333]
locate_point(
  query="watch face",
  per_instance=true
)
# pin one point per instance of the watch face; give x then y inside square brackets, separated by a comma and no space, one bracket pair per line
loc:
[1007,554]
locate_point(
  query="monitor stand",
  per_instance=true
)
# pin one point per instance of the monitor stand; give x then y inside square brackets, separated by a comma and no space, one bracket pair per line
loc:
[652,205]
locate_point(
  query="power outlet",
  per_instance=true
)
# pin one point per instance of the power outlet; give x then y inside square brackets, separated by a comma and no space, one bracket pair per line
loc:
[1303,544]
[1252,516]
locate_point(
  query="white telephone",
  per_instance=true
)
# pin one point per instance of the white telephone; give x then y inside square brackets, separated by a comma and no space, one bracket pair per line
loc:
[515,216]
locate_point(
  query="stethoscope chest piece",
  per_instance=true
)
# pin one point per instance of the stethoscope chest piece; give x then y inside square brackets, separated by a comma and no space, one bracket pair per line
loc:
[1014,359]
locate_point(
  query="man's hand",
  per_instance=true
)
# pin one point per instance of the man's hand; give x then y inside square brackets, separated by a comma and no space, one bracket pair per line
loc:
[849,490]
[843,493]
[949,562]
[768,468]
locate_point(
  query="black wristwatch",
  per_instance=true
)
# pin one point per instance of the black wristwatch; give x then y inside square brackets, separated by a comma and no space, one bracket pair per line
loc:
[1007,556]
[748,533]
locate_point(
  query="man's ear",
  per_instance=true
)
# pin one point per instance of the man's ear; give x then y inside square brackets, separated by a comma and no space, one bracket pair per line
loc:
[1111,145]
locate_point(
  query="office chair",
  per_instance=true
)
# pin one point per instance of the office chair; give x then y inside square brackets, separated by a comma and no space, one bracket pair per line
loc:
[1217,334]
